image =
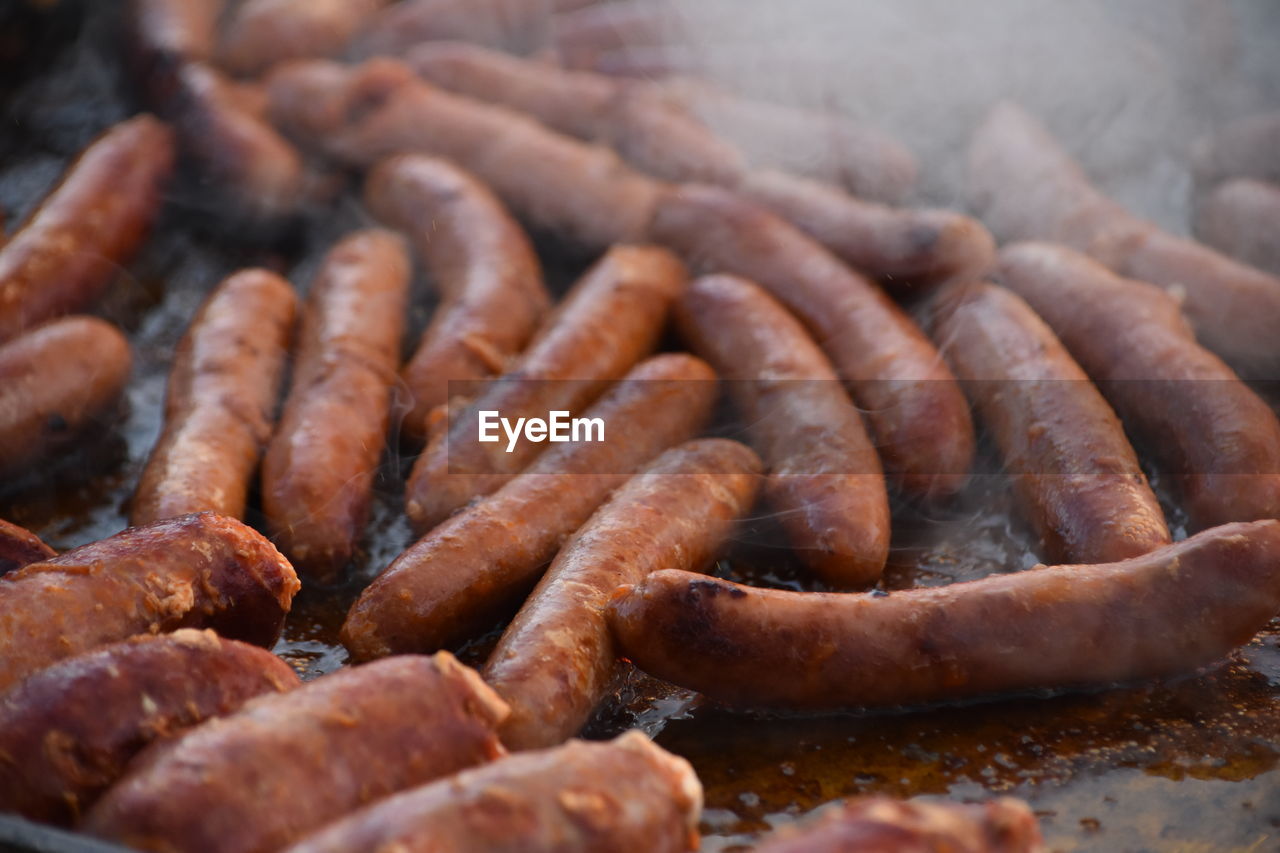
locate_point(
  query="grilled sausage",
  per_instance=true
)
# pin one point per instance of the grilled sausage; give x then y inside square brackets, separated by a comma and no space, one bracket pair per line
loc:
[825,479]
[1168,612]
[1245,148]
[490,281]
[198,571]
[71,247]
[19,546]
[917,413]
[1076,476]
[473,568]
[67,732]
[610,320]
[284,765]
[221,400]
[625,796]
[554,661]
[317,473]
[519,26]
[1214,435]
[1242,218]
[55,382]
[261,33]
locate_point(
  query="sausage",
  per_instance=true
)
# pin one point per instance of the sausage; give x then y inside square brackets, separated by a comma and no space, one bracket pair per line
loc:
[626,796]
[166,34]
[1164,613]
[19,546]
[517,26]
[221,400]
[554,662]
[584,37]
[917,413]
[286,764]
[1245,148]
[197,571]
[610,320]
[72,246]
[1076,476]
[1027,188]
[67,732]
[477,566]
[825,479]
[1242,219]
[261,33]
[56,382]
[1217,439]
[483,264]
[318,470]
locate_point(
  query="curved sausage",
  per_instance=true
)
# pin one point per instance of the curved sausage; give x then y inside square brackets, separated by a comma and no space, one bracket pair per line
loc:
[67,732]
[318,470]
[554,661]
[1242,218]
[19,546]
[1206,428]
[197,571]
[55,383]
[221,400]
[490,281]
[1245,148]
[624,796]
[71,247]
[610,320]
[476,566]
[917,413]
[284,765]
[261,33]
[1168,612]
[825,479]
[1076,476]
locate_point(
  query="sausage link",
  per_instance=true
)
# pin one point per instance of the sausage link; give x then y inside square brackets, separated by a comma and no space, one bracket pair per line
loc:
[554,661]
[585,37]
[221,400]
[317,473]
[825,479]
[71,247]
[1076,476]
[1181,607]
[286,764]
[67,732]
[1242,219]
[489,278]
[19,546]
[609,321]
[479,564]
[262,33]
[198,571]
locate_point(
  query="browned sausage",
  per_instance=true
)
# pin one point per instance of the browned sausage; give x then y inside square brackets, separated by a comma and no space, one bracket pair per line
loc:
[475,567]
[1245,148]
[221,400]
[610,320]
[554,661]
[317,473]
[1076,476]
[67,732]
[491,293]
[1027,188]
[1242,218]
[19,546]
[261,33]
[1205,427]
[825,479]
[917,413]
[72,246]
[201,571]
[286,764]
[55,382]
[520,26]
[625,796]
[1168,612]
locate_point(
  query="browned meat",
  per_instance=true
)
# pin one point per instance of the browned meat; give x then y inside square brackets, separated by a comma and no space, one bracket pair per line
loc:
[19,546]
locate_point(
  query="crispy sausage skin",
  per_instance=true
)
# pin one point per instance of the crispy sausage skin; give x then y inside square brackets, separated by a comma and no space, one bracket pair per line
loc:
[286,764]
[1168,612]
[490,281]
[221,400]
[610,320]
[317,473]
[554,661]
[55,382]
[202,570]
[477,565]
[1077,478]
[918,415]
[1213,434]
[67,732]
[626,796]
[262,33]
[72,246]
[824,479]
[1242,218]
[19,546]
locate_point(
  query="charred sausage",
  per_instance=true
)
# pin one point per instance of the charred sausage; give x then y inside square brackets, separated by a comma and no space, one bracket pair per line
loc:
[19,546]
[1242,218]
[261,33]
